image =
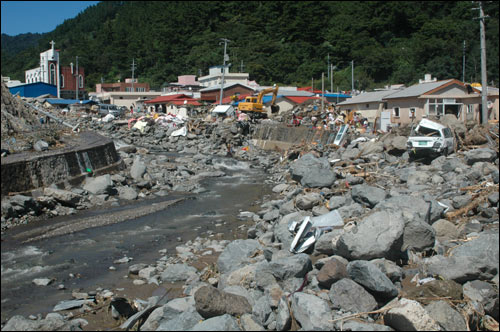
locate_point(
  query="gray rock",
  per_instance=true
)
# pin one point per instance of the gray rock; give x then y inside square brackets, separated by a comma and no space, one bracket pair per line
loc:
[52,322]
[460,269]
[181,322]
[65,197]
[280,188]
[461,201]
[283,317]
[356,325]
[410,316]
[295,266]
[308,200]
[212,302]
[416,206]
[178,272]
[311,312]
[419,236]
[262,310]
[336,202]
[220,323]
[327,242]
[418,178]
[71,304]
[127,193]
[248,323]
[312,172]
[445,229]
[484,294]
[369,276]
[349,296]
[446,316]
[389,268]
[368,195]
[477,155]
[138,169]
[99,185]
[379,235]
[237,254]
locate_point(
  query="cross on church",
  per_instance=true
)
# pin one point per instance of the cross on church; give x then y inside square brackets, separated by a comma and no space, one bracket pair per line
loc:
[52,43]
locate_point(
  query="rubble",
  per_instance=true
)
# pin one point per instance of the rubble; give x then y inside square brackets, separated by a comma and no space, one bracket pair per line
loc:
[412,242]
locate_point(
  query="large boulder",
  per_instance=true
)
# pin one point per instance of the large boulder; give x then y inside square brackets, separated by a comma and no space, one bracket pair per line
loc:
[212,302]
[409,315]
[369,276]
[238,253]
[477,155]
[295,266]
[380,235]
[312,172]
[368,195]
[311,312]
[178,272]
[348,295]
[99,185]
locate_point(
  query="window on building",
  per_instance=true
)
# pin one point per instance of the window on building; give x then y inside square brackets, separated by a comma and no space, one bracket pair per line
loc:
[127,89]
[141,89]
[396,111]
[52,79]
[62,81]
[80,80]
[413,112]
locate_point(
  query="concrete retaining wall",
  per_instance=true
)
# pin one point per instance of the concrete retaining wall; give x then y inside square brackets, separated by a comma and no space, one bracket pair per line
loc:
[271,137]
[27,171]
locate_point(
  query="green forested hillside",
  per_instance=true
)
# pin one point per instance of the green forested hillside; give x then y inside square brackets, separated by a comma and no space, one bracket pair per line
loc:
[277,42]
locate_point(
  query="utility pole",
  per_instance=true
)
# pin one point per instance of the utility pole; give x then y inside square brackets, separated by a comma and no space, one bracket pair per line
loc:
[241,67]
[322,91]
[328,65]
[352,77]
[484,81]
[133,68]
[331,77]
[463,65]
[226,57]
[77,78]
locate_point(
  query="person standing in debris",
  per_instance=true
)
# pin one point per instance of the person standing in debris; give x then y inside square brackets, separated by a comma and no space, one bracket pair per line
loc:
[131,109]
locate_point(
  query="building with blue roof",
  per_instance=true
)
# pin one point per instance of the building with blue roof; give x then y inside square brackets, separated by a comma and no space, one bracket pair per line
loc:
[33,90]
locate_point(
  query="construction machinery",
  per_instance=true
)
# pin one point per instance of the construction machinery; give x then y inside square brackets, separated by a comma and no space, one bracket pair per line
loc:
[254,107]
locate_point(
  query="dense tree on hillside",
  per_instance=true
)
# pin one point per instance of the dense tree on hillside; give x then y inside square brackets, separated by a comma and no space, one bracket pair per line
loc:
[276,41]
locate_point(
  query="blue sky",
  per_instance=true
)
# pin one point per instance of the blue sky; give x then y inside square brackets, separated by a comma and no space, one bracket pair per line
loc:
[38,16]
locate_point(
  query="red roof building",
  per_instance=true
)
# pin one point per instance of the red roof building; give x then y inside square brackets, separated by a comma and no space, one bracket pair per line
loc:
[177,99]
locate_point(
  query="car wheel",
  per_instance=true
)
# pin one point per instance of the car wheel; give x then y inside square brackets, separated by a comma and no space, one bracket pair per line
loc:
[445,152]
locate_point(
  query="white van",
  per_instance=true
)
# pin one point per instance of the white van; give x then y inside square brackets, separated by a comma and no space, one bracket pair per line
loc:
[430,137]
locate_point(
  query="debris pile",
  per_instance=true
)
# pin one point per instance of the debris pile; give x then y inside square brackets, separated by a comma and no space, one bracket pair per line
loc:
[359,237]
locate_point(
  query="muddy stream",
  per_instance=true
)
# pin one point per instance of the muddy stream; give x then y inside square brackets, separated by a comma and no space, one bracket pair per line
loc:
[90,241]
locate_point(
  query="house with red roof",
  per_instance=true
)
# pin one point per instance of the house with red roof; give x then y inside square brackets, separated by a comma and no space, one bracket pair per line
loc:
[177,104]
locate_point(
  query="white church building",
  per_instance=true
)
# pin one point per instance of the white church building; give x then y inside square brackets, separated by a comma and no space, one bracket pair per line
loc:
[49,69]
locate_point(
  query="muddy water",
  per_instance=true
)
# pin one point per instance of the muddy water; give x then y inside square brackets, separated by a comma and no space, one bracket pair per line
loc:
[88,254]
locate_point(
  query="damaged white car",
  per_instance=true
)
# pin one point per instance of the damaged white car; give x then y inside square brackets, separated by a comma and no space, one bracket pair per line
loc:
[430,138]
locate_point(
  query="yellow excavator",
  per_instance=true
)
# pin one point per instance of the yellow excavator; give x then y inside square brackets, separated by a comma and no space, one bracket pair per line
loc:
[254,107]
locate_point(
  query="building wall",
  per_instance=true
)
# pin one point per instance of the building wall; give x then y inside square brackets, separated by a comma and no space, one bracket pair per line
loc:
[121,87]
[213,95]
[404,105]
[367,110]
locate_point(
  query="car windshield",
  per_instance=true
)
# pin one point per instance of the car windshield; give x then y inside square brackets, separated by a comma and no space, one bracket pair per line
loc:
[423,131]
